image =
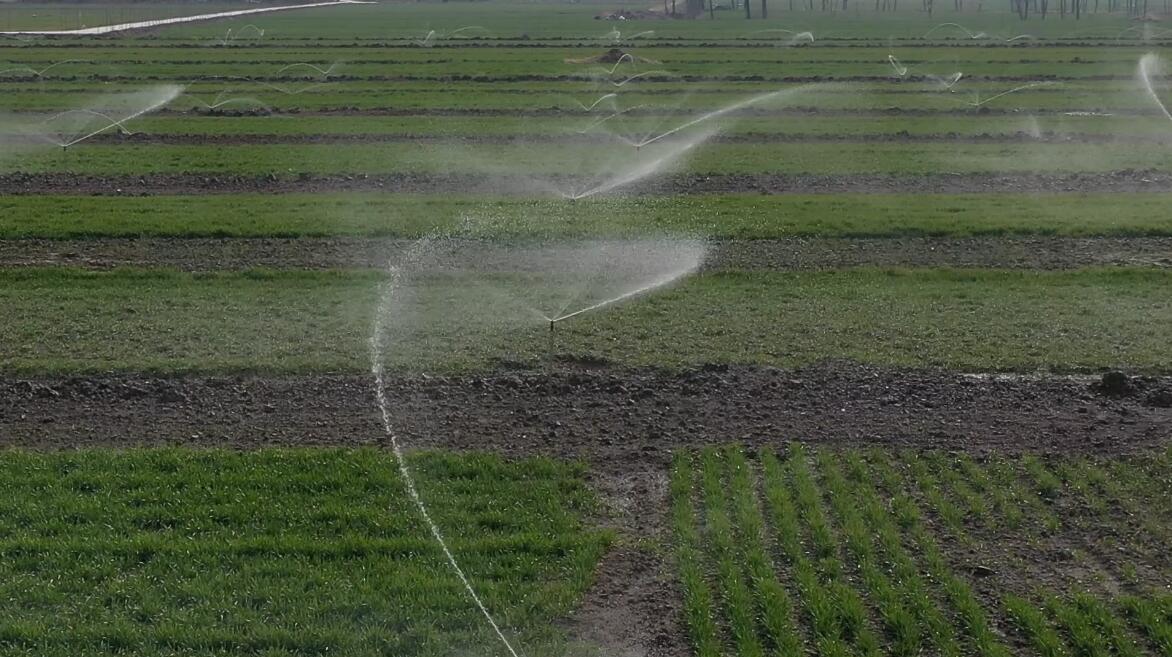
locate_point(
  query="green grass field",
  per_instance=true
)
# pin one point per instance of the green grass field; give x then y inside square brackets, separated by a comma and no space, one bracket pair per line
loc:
[874,553]
[739,216]
[283,552]
[972,320]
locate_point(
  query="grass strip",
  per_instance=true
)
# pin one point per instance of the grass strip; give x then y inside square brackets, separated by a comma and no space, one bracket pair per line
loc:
[850,609]
[959,592]
[78,321]
[775,608]
[1108,625]
[1086,639]
[886,527]
[815,596]
[736,594]
[933,492]
[593,160]
[283,551]
[699,613]
[741,216]
[1006,510]
[1153,621]
[901,625]
[1031,622]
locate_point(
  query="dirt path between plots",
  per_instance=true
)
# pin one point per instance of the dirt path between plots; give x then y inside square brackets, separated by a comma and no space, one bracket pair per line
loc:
[793,254]
[627,419]
[573,138]
[695,183]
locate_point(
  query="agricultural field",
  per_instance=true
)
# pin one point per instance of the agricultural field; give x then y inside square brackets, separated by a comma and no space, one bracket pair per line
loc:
[507,328]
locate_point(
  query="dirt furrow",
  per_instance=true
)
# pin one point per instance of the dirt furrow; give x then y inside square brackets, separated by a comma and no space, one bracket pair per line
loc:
[794,254]
[1122,181]
[628,420]
[572,137]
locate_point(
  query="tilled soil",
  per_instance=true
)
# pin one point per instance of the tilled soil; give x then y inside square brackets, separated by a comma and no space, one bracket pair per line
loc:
[794,254]
[571,138]
[628,420]
[695,183]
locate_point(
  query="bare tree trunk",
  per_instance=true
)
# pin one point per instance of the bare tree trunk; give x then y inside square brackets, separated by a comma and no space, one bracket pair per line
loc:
[764,13]
[748,11]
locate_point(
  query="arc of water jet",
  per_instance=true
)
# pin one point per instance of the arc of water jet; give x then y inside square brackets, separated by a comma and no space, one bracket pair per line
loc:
[595,103]
[220,101]
[801,36]
[20,69]
[325,72]
[979,103]
[466,27]
[377,370]
[584,284]
[41,73]
[657,283]
[720,112]
[1145,33]
[773,30]
[278,88]
[427,40]
[958,26]
[626,57]
[112,122]
[640,34]
[92,134]
[794,36]
[259,31]
[637,76]
[598,122]
[173,92]
[1149,64]
[642,171]
[900,70]
[947,83]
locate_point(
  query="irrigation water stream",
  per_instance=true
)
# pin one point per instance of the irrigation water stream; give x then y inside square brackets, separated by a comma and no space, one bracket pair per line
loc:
[601,274]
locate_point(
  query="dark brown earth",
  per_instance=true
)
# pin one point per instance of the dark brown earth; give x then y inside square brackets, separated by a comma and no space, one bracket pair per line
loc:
[794,254]
[696,183]
[178,139]
[561,112]
[627,419]
[634,607]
